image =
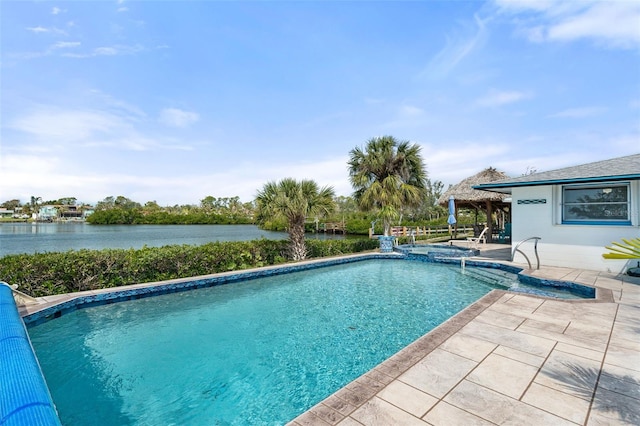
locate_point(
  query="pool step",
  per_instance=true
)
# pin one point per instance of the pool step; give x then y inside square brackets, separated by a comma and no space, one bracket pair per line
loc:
[492,276]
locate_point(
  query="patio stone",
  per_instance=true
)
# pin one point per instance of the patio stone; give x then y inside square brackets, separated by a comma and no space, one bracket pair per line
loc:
[513,339]
[559,403]
[610,408]
[521,356]
[438,372]
[349,422]
[620,380]
[599,333]
[608,282]
[558,326]
[377,412]
[623,357]
[408,398]
[504,375]
[569,374]
[579,341]
[498,408]
[468,347]
[444,414]
[629,315]
[580,351]
[500,319]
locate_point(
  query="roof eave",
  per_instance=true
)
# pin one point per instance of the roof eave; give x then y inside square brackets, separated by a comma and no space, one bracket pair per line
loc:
[501,187]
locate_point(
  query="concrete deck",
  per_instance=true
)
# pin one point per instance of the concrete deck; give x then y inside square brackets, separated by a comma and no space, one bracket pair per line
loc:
[509,359]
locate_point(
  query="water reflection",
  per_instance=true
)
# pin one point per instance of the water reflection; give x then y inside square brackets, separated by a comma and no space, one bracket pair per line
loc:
[18,238]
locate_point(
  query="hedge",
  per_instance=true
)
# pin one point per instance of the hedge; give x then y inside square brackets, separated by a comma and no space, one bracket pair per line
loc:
[45,274]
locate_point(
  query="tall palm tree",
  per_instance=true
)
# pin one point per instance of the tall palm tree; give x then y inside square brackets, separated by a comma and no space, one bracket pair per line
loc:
[294,201]
[35,202]
[387,175]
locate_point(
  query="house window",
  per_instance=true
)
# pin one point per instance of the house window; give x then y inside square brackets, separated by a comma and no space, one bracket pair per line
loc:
[601,204]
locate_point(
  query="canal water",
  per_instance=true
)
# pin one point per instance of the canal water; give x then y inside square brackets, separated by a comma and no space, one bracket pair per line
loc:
[30,238]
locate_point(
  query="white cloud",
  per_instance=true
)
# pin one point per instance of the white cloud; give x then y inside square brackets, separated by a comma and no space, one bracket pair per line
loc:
[65,44]
[51,177]
[114,50]
[122,9]
[446,164]
[42,30]
[611,24]
[456,49]
[175,117]
[37,29]
[411,111]
[53,124]
[579,112]
[498,98]
[55,10]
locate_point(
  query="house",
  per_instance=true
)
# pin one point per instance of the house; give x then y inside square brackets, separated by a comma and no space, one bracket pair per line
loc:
[47,213]
[576,212]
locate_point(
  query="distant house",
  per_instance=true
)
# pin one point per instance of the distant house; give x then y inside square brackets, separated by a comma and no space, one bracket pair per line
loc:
[47,213]
[6,213]
[576,212]
[70,212]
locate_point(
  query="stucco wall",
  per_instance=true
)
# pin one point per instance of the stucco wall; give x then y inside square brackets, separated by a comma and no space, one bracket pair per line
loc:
[577,246]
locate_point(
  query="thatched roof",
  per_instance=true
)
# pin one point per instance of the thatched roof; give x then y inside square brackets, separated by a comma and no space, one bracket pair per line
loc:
[464,194]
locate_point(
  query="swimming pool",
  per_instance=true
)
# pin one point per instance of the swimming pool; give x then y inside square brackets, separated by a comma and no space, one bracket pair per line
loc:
[259,352]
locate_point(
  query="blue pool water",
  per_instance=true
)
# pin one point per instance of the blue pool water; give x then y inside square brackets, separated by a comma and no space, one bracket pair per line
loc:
[254,352]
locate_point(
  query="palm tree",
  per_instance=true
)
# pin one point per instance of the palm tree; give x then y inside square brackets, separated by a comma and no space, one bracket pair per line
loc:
[35,201]
[387,176]
[294,201]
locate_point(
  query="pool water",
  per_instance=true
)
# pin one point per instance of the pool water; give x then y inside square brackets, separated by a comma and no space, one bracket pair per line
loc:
[254,352]
[437,250]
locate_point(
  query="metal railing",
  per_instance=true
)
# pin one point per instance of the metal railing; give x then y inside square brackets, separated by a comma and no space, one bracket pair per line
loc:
[535,250]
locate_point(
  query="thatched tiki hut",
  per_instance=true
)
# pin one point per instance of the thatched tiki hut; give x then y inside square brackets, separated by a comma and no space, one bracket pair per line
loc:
[467,197]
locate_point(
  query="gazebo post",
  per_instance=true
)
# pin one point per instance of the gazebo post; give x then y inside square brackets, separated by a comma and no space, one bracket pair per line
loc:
[489,221]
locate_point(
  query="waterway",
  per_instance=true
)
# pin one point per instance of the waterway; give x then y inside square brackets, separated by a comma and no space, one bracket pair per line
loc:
[16,238]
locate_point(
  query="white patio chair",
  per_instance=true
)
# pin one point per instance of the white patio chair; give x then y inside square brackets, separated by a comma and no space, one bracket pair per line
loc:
[473,241]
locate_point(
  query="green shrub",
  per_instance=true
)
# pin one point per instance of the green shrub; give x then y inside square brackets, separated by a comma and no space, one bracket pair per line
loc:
[44,274]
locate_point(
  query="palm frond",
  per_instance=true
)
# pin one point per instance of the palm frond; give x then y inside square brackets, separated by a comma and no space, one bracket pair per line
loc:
[629,250]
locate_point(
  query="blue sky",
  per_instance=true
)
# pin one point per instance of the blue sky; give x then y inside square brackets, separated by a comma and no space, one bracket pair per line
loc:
[172,101]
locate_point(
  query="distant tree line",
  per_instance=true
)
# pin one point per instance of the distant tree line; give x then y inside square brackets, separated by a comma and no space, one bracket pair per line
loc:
[211,211]
[121,210]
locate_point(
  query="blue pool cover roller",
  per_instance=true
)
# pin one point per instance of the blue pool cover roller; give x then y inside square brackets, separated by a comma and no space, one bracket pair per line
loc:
[24,396]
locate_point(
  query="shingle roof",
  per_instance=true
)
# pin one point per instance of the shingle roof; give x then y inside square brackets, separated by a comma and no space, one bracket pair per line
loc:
[616,169]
